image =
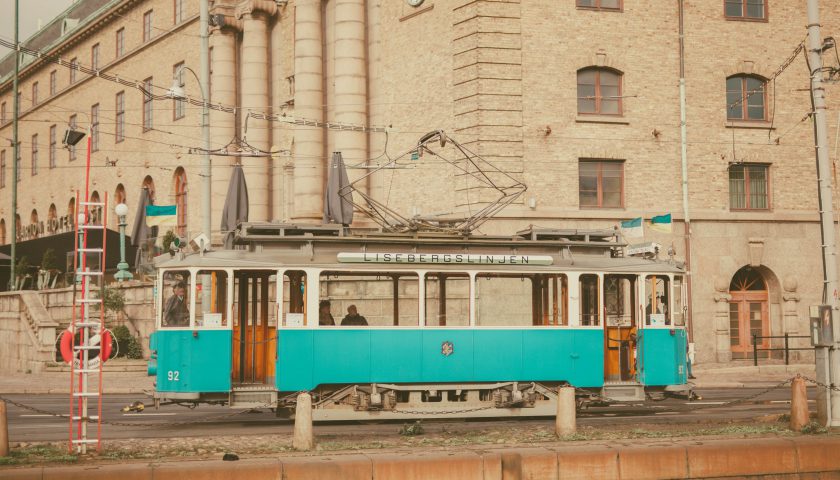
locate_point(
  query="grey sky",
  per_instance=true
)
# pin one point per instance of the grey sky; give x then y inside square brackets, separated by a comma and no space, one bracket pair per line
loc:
[30,12]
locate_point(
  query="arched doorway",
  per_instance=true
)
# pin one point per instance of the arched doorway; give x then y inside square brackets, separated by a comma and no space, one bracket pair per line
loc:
[748,312]
[2,231]
[119,197]
[33,222]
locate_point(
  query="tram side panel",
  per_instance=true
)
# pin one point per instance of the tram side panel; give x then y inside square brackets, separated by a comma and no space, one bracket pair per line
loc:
[663,356]
[308,358]
[193,361]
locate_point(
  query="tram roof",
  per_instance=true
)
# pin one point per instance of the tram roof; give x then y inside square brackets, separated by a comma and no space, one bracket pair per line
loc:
[271,245]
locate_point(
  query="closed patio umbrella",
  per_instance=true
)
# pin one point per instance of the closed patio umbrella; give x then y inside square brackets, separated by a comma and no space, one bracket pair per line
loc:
[338,207]
[236,204]
[140,232]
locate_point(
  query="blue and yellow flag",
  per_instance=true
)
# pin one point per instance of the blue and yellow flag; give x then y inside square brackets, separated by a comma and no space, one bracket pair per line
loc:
[661,223]
[162,215]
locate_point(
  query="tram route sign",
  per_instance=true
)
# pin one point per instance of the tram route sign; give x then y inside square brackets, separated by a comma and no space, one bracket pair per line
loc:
[444,258]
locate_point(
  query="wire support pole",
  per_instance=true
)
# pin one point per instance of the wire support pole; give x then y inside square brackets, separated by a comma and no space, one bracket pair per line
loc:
[16,150]
[829,405]
[206,168]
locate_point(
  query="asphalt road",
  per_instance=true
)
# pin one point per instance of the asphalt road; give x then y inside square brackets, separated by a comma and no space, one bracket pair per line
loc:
[171,421]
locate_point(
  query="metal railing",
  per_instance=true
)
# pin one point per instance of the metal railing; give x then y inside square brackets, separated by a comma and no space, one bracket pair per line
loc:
[787,348]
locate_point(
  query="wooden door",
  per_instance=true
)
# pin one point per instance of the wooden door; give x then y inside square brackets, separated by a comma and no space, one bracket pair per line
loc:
[748,313]
[254,340]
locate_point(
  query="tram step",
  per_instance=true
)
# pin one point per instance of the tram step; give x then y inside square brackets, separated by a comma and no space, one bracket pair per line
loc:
[252,399]
[624,392]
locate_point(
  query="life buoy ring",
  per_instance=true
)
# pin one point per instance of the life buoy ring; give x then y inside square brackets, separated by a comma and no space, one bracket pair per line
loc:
[103,354]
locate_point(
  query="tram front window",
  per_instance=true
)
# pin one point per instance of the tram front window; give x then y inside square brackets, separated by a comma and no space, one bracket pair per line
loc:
[679,307]
[657,289]
[378,299]
[211,298]
[176,301]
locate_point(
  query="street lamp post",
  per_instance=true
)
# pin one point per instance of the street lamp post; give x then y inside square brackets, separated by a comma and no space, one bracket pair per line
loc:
[122,268]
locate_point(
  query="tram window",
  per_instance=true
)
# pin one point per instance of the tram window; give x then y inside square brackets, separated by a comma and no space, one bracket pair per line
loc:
[294,298]
[520,300]
[211,287]
[589,301]
[656,297]
[176,300]
[619,300]
[447,299]
[382,299]
[272,299]
[679,309]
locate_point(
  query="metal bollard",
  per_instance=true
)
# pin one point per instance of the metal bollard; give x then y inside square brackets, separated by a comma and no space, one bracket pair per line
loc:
[799,415]
[304,439]
[4,431]
[565,422]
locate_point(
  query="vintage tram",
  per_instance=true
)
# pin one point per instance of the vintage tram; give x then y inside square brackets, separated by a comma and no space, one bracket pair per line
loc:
[477,325]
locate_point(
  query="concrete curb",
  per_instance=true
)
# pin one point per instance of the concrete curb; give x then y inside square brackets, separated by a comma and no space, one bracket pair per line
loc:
[803,457]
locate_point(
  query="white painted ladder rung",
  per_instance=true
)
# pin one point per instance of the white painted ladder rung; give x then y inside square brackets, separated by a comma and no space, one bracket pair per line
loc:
[85,441]
[86,394]
[90,250]
[93,204]
[92,227]
[88,324]
[87,347]
[89,300]
[89,370]
[92,417]
[89,273]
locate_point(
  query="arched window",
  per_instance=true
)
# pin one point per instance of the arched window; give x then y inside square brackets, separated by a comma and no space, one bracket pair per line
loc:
[746,98]
[33,220]
[2,231]
[119,197]
[52,219]
[180,183]
[71,210]
[599,91]
[149,185]
[95,210]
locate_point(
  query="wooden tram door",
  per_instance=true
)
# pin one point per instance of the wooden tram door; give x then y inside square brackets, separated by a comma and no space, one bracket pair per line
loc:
[748,314]
[620,328]
[254,329]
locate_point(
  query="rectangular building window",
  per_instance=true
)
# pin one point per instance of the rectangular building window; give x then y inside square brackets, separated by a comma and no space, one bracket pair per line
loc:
[601,184]
[2,169]
[3,112]
[94,128]
[35,94]
[179,106]
[746,9]
[34,154]
[600,4]
[148,18]
[74,66]
[53,80]
[179,11]
[749,187]
[53,147]
[94,57]
[119,134]
[148,109]
[120,42]
[71,149]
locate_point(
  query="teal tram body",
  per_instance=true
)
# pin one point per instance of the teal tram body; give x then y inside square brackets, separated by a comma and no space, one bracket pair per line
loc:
[487,326]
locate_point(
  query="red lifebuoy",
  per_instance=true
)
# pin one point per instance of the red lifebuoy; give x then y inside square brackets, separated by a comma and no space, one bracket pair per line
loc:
[66,348]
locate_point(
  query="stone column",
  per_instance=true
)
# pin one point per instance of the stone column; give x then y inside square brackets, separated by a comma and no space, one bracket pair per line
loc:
[790,316]
[309,155]
[280,131]
[255,86]
[351,81]
[222,91]
[723,350]
[376,109]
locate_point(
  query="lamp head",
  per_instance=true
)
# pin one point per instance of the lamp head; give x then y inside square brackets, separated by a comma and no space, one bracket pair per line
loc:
[121,209]
[176,91]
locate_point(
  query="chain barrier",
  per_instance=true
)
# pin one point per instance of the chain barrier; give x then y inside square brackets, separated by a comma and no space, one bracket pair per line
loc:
[820,384]
[443,412]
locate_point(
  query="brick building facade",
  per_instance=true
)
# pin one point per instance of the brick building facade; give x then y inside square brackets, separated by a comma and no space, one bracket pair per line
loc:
[578,99]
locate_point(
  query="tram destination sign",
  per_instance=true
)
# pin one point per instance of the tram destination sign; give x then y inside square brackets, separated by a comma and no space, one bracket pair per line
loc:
[446,258]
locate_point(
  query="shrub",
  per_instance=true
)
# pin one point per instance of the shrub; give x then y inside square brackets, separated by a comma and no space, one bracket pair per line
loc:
[49,260]
[113,300]
[129,346]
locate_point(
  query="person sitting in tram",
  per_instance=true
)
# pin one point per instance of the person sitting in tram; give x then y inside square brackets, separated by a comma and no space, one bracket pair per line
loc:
[325,318]
[353,319]
[176,313]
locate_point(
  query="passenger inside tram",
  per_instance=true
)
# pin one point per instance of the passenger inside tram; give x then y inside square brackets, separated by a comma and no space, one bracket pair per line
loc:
[175,312]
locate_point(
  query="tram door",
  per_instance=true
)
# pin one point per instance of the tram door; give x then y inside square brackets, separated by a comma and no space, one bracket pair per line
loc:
[620,329]
[254,328]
